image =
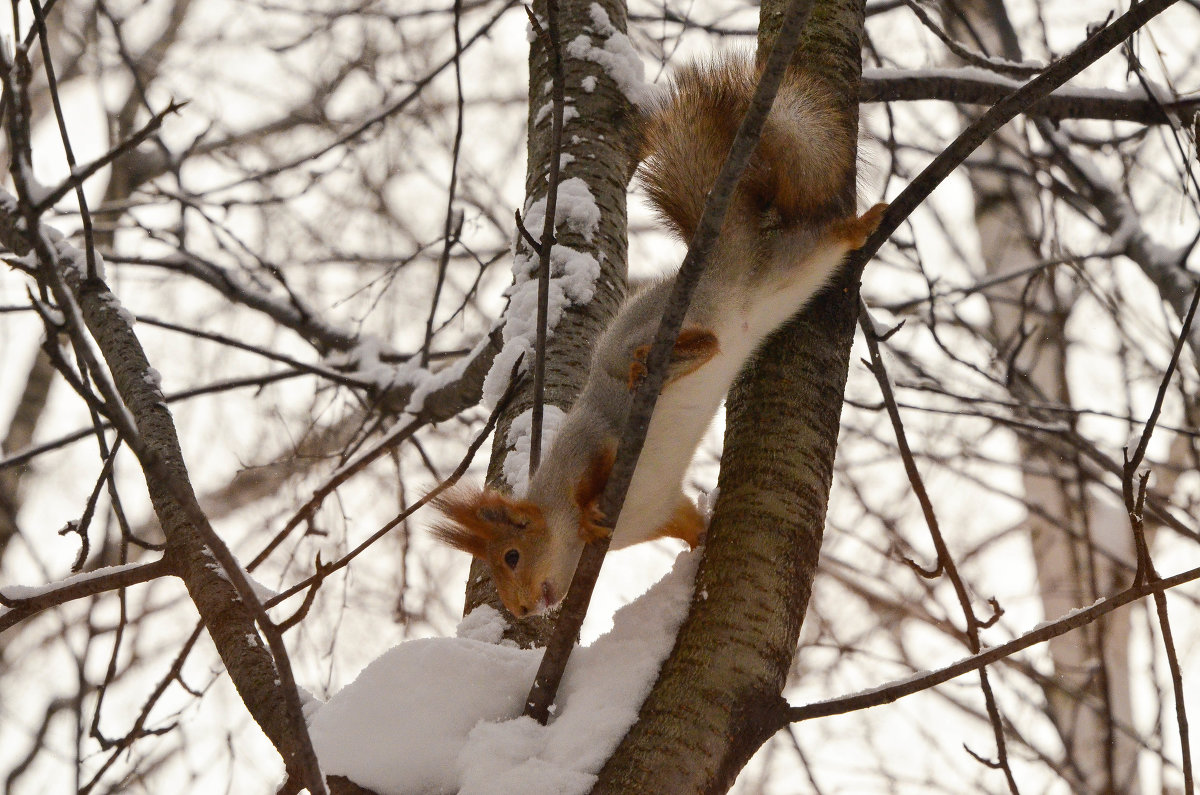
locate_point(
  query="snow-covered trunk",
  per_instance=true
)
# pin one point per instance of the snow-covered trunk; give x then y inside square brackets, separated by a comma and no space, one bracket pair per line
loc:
[597,148]
[1081,548]
[715,702]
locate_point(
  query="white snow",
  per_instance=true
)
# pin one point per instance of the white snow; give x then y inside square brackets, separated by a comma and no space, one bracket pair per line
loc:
[570,112]
[261,592]
[115,304]
[366,357]
[485,624]
[516,463]
[575,207]
[426,382]
[53,314]
[73,257]
[1135,92]
[30,591]
[441,715]
[573,275]
[35,191]
[616,56]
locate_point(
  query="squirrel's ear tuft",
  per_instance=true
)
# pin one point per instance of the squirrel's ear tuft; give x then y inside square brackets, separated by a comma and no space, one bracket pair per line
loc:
[464,528]
[475,519]
[461,538]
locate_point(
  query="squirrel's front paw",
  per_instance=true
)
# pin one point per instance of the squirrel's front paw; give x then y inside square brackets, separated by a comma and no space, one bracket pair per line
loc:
[694,347]
[637,368]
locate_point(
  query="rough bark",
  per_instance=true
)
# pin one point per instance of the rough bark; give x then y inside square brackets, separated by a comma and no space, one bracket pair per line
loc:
[717,696]
[598,141]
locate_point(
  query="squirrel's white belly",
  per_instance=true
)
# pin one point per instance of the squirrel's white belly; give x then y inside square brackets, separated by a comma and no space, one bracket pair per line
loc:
[681,416]
[686,408]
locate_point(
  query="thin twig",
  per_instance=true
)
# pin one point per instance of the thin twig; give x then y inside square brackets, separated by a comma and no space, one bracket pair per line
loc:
[1146,573]
[21,609]
[1140,452]
[324,570]
[453,226]
[945,562]
[549,38]
[924,681]
[80,175]
[85,215]
[971,58]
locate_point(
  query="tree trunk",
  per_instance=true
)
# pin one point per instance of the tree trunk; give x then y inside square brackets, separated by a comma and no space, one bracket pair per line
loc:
[715,702]
[598,142]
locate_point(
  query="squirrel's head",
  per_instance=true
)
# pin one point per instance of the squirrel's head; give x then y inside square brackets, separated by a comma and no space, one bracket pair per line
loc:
[531,547]
[513,538]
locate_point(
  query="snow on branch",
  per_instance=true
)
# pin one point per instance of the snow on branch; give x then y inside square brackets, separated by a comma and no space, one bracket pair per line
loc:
[976,86]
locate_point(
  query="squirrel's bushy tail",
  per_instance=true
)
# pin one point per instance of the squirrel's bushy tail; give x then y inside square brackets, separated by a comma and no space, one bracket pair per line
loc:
[799,166]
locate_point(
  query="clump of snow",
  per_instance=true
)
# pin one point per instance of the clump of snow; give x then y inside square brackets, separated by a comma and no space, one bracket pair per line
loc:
[400,725]
[484,624]
[616,56]
[575,207]
[261,592]
[706,503]
[70,256]
[426,382]
[570,112]
[516,463]
[309,704]
[441,715]
[573,275]
[368,363]
[115,305]
[365,363]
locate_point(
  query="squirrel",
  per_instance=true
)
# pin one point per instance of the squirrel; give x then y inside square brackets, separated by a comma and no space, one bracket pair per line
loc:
[782,239]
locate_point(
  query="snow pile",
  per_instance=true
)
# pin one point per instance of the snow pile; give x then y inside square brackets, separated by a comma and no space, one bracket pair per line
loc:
[440,715]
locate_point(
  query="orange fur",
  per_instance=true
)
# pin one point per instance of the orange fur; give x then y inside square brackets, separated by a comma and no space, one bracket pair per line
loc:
[588,491]
[693,348]
[476,519]
[686,524]
[855,231]
[785,234]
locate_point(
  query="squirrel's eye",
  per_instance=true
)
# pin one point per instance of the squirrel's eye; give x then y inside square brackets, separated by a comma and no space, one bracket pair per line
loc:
[511,558]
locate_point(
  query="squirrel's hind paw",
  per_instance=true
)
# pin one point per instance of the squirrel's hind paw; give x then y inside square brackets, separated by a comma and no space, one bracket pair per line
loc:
[855,231]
